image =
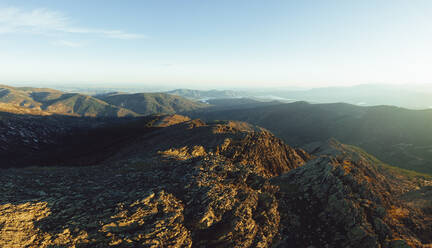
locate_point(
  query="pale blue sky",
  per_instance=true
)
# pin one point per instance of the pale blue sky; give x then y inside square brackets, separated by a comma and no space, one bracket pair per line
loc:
[204,43]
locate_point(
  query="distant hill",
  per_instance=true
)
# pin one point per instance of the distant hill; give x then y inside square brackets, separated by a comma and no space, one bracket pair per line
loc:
[237,103]
[45,101]
[407,96]
[205,94]
[58,102]
[397,136]
[151,103]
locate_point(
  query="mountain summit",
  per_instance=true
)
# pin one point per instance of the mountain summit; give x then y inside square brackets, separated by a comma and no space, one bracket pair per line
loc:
[169,181]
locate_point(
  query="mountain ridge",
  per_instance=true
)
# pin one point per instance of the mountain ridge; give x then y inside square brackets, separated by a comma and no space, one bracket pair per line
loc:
[50,101]
[151,103]
[189,183]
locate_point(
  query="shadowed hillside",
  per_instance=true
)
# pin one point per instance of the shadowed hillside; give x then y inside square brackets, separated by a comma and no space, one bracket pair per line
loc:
[34,139]
[397,136]
[151,103]
[204,94]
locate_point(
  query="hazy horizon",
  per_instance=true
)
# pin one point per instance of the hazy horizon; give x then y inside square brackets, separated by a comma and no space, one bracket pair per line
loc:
[221,45]
[143,87]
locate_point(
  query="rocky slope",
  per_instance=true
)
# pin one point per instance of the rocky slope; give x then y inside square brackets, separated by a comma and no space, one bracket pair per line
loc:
[27,138]
[345,201]
[187,183]
[21,135]
[237,141]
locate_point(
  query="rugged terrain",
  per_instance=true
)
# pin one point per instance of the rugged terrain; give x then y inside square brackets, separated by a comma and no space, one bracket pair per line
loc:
[397,136]
[40,139]
[168,181]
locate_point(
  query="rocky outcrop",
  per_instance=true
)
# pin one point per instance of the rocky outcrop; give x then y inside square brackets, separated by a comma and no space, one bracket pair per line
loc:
[341,203]
[208,202]
[222,184]
[169,120]
[237,142]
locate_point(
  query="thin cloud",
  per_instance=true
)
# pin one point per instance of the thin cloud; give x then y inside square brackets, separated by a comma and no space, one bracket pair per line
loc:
[48,22]
[67,43]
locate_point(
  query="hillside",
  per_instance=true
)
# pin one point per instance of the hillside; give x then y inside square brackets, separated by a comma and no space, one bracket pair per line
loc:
[53,101]
[397,136]
[151,103]
[36,138]
[219,104]
[168,181]
[48,101]
[205,94]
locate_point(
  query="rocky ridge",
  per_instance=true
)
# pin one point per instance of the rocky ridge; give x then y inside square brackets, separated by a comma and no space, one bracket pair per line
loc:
[222,184]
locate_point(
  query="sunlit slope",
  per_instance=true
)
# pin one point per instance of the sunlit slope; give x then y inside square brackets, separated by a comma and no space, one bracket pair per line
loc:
[58,102]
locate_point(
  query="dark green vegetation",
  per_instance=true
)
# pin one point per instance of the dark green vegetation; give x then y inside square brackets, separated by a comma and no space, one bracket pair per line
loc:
[357,151]
[151,103]
[236,103]
[397,136]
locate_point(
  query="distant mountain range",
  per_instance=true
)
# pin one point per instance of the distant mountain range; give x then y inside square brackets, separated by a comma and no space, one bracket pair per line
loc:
[51,101]
[205,94]
[58,102]
[45,101]
[412,97]
[407,96]
[151,103]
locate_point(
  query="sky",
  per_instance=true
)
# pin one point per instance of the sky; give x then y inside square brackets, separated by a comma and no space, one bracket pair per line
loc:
[216,43]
